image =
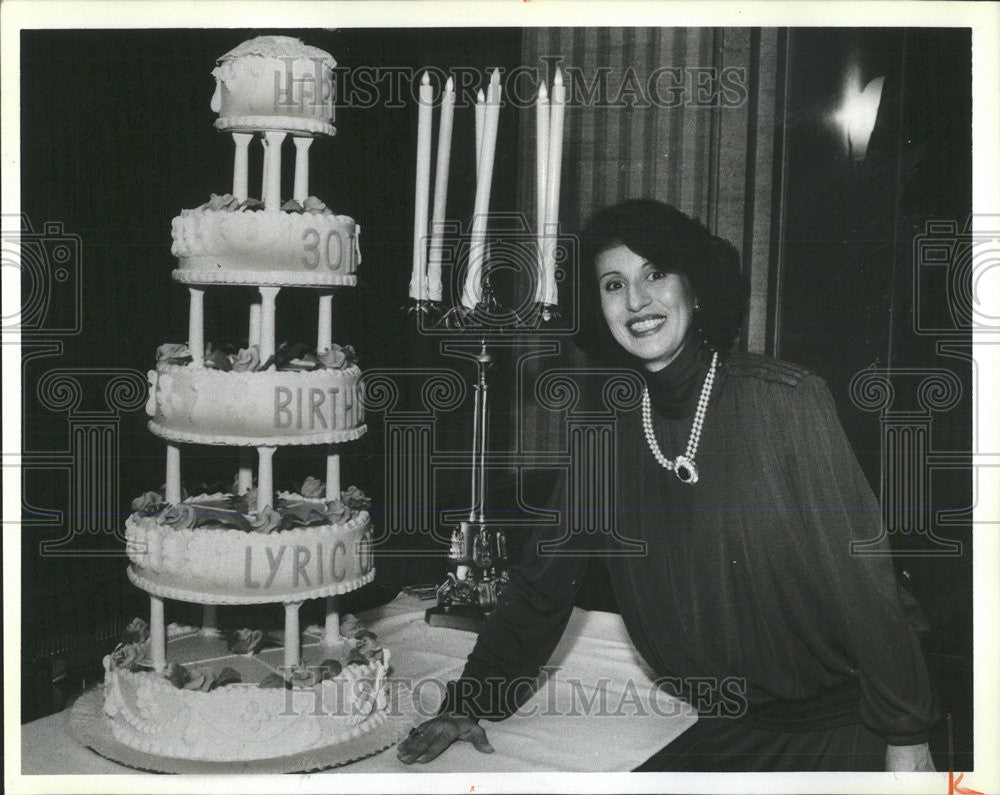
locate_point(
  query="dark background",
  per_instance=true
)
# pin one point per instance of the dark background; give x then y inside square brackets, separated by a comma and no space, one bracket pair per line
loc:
[117,137]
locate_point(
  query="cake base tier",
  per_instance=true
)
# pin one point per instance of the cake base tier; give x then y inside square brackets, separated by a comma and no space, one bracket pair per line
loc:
[92,728]
[208,565]
[254,717]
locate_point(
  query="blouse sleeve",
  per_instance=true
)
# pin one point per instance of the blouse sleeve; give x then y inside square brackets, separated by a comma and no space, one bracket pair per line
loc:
[855,596]
[523,630]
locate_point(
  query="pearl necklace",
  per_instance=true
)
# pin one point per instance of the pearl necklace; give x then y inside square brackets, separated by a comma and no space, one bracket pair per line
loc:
[683,466]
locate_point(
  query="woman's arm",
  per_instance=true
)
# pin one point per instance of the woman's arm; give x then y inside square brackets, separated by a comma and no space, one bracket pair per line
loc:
[854,594]
[517,640]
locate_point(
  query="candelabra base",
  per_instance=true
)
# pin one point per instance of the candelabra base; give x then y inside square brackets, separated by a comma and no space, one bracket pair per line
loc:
[465,617]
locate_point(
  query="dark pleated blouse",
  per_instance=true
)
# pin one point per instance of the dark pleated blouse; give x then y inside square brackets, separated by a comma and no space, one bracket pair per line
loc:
[746,578]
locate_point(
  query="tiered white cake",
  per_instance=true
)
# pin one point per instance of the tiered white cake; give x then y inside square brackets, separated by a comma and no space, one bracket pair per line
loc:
[246,694]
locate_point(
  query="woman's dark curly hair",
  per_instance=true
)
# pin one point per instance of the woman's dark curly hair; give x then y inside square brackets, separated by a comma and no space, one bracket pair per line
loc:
[674,243]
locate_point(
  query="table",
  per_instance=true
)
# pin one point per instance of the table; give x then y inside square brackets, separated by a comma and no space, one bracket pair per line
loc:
[597,708]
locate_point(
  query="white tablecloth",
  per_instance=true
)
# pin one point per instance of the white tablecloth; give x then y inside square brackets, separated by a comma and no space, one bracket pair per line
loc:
[597,710]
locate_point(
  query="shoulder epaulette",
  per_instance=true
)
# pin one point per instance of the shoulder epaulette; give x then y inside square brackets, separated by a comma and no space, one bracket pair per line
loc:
[753,365]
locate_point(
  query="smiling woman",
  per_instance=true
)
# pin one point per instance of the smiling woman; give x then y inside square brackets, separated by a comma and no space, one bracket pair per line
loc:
[747,575]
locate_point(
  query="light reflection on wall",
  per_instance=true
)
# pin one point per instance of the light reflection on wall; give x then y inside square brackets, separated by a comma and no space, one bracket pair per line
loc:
[855,118]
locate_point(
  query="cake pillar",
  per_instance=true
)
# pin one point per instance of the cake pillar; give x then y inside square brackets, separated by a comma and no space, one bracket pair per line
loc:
[272,172]
[332,472]
[265,170]
[241,165]
[331,628]
[268,296]
[157,634]
[265,478]
[291,636]
[196,326]
[324,328]
[209,620]
[173,493]
[253,337]
[301,190]
[245,478]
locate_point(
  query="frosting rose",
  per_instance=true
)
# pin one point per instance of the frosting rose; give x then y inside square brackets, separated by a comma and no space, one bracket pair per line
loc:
[336,512]
[180,517]
[247,359]
[355,498]
[350,626]
[199,679]
[144,503]
[369,647]
[245,641]
[330,668]
[137,631]
[312,487]
[303,677]
[333,359]
[314,205]
[226,201]
[216,359]
[173,352]
[266,521]
[129,655]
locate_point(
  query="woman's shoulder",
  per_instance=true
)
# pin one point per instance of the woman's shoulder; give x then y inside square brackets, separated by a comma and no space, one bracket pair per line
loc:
[756,371]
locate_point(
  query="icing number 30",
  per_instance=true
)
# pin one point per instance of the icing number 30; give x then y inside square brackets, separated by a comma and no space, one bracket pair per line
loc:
[329,253]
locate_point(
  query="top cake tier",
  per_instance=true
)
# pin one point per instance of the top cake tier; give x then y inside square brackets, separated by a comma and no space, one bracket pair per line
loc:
[275,83]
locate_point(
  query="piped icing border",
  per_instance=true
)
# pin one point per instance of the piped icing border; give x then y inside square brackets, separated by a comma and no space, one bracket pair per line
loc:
[268,278]
[292,124]
[328,437]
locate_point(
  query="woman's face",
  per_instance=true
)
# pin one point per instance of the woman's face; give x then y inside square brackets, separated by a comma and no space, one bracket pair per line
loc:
[648,311]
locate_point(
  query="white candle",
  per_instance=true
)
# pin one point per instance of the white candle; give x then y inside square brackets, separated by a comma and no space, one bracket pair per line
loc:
[557,112]
[473,289]
[541,175]
[196,326]
[241,165]
[301,189]
[440,191]
[422,191]
[272,140]
[291,636]
[480,125]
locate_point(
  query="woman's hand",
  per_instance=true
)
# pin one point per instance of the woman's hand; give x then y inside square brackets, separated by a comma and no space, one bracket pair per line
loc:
[430,738]
[908,759]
